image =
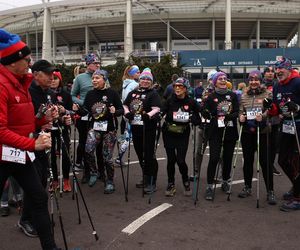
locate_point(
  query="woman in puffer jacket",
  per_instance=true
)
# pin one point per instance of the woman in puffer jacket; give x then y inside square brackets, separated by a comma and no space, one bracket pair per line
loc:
[252,115]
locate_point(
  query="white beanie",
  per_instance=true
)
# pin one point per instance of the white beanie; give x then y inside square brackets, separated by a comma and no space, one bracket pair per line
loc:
[210,74]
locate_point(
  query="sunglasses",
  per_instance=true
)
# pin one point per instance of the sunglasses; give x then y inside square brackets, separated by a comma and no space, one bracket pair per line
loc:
[145,79]
[180,86]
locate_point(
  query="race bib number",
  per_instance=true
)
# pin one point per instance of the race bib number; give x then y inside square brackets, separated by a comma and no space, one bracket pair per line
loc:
[253,112]
[288,127]
[137,120]
[221,123]
[13,155]
[85,118]
[100,126]
[181,116]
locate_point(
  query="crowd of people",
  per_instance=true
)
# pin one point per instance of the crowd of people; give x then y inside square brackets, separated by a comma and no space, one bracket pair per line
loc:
[36,113]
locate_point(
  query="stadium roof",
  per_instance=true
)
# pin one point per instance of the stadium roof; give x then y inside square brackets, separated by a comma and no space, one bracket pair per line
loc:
[279,18]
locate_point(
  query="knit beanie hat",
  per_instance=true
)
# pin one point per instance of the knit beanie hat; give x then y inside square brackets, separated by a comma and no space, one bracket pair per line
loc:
[133,70]
[146,74]
[284,63]
[210,74]
[255,73]
[217,75]
[12,49]
[102,73]
[183,81]
[91,58]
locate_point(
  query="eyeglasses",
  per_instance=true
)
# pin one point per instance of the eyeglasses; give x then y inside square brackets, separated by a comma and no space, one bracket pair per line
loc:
[27,59]
[180,86]
[222,79]
[96,63]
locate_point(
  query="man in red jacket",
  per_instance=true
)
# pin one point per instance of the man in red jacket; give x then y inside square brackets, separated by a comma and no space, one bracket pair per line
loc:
[17,123]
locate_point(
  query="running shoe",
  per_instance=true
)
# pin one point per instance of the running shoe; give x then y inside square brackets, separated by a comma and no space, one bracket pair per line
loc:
[246,191]
[171,190]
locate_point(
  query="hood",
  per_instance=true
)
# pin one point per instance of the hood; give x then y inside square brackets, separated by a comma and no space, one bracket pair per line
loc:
[126,82]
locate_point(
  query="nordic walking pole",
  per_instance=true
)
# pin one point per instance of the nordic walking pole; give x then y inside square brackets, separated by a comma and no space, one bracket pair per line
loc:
[268,153]
[234,162]
[197,182]
[194,151]
[53,191]
[128,155]
[60,170]
[75,191]
[296,132]
[143,160]
[80,191]
[257,169]
[121,164]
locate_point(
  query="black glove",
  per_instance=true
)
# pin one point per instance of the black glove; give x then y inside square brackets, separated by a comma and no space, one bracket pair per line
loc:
[292,106]
[129,116]
[229,117]
[206,114]
[267,103]
[145,117]
[195,119]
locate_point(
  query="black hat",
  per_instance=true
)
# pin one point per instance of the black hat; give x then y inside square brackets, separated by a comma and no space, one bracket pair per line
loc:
[42,65]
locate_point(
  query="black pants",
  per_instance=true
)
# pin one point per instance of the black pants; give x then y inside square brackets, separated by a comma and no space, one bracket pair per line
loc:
[289,160]
[41,165]
[82,127]
[151,165]
[249,145]
[177,155]
[274,143]
[28,179]
[56,146]
[215,148]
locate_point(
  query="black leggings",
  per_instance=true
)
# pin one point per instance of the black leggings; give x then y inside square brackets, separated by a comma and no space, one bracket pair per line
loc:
[249,145]
[289,160]
[56,146]
[151,165]
[215,148]
[177,155]
[28,179]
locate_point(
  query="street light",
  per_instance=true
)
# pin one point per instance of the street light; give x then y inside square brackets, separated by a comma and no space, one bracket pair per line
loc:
[35,15]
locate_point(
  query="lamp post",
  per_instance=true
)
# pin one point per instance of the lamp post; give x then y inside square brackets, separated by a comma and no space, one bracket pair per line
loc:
[35,15]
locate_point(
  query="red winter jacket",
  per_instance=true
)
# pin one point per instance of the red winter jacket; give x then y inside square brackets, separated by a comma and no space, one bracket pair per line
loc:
[17,118]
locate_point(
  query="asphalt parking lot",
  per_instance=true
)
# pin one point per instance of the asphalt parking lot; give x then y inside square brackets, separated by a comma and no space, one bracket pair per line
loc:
[221,224]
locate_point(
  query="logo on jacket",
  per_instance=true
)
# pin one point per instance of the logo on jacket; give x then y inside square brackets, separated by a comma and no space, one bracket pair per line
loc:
[17,98]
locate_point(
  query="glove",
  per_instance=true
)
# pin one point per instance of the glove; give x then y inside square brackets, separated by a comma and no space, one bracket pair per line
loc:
[292,106]
[229,117]
[267,103]
[129,116]
[206,114]
[145,117]
[195,119]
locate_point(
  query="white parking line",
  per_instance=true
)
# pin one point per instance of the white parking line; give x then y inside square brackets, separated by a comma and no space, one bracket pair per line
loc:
[131,228]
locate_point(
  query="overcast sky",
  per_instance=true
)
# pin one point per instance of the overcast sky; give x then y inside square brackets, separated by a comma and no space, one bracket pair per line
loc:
[10,4]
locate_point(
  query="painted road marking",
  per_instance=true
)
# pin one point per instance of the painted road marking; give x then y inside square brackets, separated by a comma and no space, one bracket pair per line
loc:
[134,162]
[236,182]
[131,228]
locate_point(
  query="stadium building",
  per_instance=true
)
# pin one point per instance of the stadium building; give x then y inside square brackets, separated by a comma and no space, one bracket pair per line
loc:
[235,35]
